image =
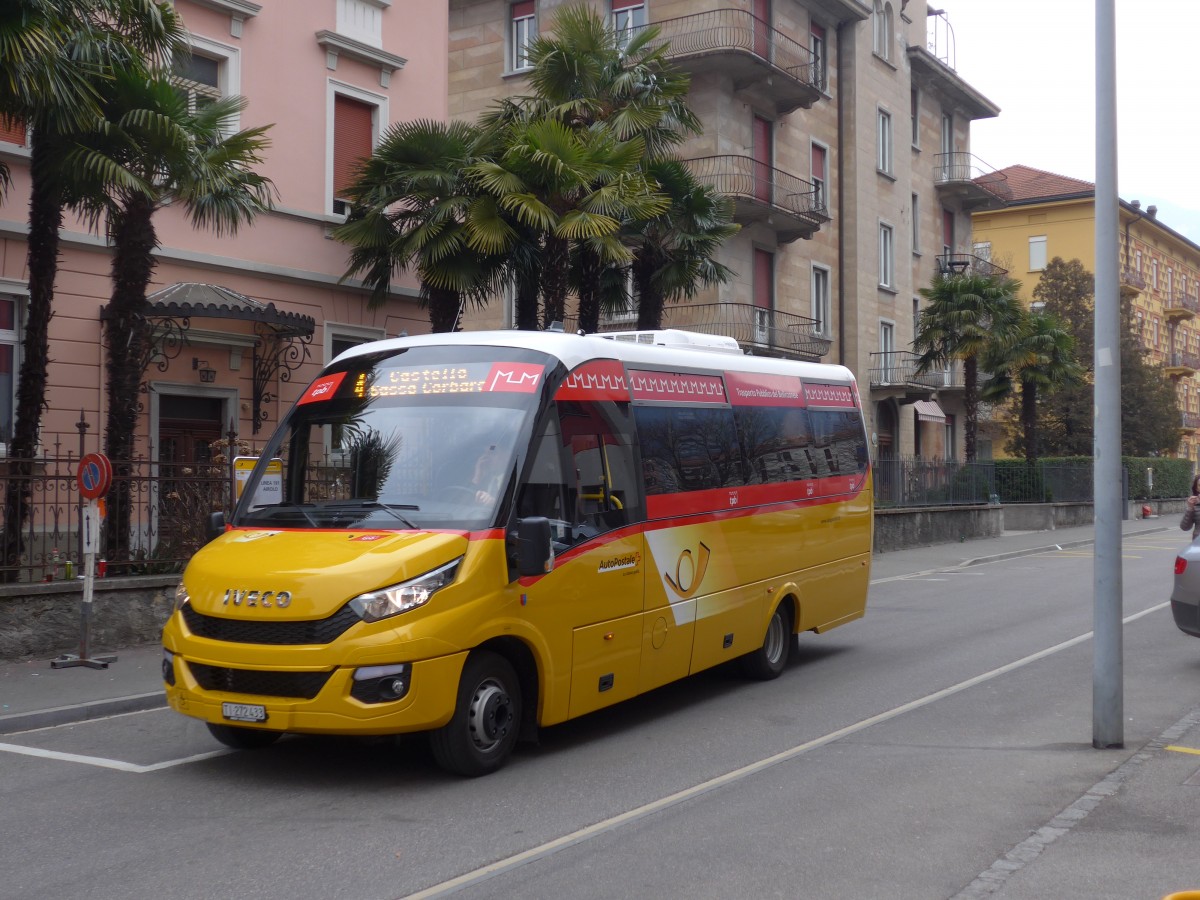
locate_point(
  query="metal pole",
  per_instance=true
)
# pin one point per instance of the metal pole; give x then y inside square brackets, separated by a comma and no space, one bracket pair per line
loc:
[1108,712]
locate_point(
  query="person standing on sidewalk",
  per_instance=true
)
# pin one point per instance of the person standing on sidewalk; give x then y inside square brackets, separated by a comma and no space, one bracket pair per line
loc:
[1190,518]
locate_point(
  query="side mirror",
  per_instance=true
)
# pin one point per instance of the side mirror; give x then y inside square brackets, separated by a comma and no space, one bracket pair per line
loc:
[535,553]
[215,526]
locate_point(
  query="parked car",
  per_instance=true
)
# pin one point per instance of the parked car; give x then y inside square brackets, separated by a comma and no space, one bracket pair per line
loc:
[1185,598]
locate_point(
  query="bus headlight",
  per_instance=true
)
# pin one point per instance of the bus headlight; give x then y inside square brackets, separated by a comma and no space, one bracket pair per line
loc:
[391,601]
[181,596]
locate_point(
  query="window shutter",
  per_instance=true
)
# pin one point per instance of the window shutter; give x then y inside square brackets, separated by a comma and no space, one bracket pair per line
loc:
[625,4]
[522,10]
[818,162]
[351,139]
[12,130]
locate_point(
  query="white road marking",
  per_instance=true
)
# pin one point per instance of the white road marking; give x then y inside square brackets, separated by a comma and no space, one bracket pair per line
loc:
[533,854]
[102,763]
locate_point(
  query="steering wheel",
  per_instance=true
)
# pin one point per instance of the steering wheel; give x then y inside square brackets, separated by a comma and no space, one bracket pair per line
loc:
[458,493]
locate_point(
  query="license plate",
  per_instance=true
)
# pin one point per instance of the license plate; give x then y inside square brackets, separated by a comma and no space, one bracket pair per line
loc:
[244,712]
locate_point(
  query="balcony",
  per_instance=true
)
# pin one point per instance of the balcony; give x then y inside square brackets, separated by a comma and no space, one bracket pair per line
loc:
[1132,282]
[953,377]
[966,264]
[1182,365]
[893,373]
[965,179]
[761,194]
[1180,306]
[1190,422]
[761,61]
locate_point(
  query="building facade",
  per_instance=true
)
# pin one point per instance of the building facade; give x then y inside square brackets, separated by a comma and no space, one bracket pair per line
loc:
[242,322]
[842,132]
[1051,215]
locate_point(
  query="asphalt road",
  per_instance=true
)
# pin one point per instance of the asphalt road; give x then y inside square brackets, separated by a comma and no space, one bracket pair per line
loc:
[900,756]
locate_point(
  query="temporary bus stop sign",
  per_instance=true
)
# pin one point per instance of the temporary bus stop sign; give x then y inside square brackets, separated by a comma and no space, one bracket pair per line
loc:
[94,476]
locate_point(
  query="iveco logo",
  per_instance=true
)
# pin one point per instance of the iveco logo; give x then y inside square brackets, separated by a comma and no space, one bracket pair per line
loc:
[268,599]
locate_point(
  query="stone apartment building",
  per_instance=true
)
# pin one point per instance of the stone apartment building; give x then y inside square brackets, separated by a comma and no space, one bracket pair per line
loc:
[842,131]
[1051,215]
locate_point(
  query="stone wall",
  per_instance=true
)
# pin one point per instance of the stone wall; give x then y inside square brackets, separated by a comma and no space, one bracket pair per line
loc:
[898,529]
[45,619]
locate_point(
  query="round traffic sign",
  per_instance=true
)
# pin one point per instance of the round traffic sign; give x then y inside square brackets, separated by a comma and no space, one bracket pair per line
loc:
[94,476]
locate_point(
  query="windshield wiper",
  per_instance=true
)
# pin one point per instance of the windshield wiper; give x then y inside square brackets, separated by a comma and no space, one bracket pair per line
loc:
[390,508]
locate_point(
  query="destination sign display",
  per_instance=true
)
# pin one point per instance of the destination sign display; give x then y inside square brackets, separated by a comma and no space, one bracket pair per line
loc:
[463,378]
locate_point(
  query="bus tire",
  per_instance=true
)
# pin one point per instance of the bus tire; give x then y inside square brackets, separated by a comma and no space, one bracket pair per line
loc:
[769,660]
[243,738]
[481,734]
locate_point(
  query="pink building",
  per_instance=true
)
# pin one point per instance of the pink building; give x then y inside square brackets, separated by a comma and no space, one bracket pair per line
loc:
[246,321]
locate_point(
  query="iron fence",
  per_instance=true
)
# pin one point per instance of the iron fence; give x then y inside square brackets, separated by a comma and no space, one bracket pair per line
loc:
[910,481]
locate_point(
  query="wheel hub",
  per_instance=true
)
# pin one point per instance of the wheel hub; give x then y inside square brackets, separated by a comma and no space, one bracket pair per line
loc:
[490,715]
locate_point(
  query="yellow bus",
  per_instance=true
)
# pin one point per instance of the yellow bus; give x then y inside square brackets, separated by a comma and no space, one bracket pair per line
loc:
[477,534]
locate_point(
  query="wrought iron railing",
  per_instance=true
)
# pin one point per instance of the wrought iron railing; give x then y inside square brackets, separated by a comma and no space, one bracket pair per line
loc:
[958,168]
[1133,278]
[1181,299]
[743,177]
[967,264]
[737,29]
[914,482]
[899,367]
[1190,420]
[1184,360]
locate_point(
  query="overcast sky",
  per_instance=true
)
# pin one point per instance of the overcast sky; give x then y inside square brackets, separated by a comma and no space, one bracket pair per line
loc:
[1035,59]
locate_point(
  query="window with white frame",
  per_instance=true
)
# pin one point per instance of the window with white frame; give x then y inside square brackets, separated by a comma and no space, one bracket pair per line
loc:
[916,223]
[983,249]
[627,17]
[883,149]
[521,33]
[820,173]
[816,46]
[1170,279]
[915,112]
[361,20]
[887,256]
[356,123]
[210,72]
[1137,261]
[882,29]
[821,304]
[1037,253]
[1154,274]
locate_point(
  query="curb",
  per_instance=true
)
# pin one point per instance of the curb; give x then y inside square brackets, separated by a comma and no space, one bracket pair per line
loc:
[80,712]
[1014,554]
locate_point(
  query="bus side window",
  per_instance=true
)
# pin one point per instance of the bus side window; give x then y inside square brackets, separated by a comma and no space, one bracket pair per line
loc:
[600,482]
[544,490]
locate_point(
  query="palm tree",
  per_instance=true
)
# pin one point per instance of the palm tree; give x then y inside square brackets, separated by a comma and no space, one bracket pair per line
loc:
[673,253]
[150,151]
[53,56]
[1039,359]
[966,315]
[410,204]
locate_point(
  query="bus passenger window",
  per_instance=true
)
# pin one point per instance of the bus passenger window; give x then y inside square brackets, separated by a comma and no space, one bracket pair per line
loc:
[600,480]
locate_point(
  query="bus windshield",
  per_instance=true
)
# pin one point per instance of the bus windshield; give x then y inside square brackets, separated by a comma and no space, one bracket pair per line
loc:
[416,438]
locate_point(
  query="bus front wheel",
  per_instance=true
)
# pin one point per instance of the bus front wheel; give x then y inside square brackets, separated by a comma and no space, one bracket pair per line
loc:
[487,718]
[769,660]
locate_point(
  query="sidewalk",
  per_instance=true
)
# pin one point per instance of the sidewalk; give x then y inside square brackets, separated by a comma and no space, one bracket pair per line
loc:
[35,695]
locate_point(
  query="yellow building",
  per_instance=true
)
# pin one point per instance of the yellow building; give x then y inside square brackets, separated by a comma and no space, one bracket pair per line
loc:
[1052,215]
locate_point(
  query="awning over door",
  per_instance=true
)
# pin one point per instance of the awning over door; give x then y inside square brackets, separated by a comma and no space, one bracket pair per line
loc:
[929,411]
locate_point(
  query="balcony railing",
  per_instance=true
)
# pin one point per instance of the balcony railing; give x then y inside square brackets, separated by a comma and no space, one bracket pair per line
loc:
[898,368]
[1184,360]
[954,376]
[1132,281]
[971,181]
[738,33]
[1181,305]
[967,264]
[797,208]
[1190,421]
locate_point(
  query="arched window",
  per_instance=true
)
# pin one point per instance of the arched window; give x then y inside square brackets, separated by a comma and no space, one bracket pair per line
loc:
[882,22]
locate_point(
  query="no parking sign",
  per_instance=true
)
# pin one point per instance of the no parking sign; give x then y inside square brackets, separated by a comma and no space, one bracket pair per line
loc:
[94,476]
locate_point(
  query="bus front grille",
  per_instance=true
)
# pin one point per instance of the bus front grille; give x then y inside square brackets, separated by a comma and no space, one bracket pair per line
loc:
[241,631]
[304,685]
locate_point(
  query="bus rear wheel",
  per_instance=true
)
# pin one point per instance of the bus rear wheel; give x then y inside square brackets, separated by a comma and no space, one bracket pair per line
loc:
[769,660]
[483,731]
[243,738]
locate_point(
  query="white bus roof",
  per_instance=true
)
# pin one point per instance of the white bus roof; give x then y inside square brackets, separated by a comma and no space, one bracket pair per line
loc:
[676,349]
